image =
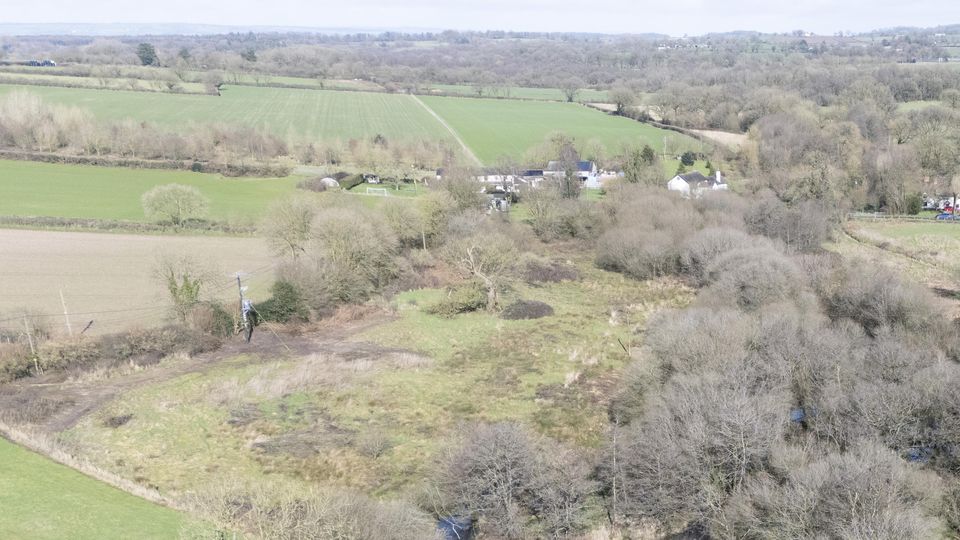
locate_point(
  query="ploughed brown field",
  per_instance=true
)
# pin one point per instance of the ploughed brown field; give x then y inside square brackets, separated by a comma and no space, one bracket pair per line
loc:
[111,278]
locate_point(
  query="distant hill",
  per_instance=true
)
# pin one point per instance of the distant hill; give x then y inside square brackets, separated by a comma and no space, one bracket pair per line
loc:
[175,29]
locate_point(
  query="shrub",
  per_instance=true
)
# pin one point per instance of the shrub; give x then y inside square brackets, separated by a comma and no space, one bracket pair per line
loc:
[703,438]
[405,221]
[15,361]
[534,270]
[865,493]
[471,296]
[212,319]
[914,204]
[351,181]
[526,309]
[285,305]
[696,340]
[875,296]
[315,184]
[753,277]
[553,217]
[349,257]
[75,353]
[638,253]
[701,249]
[272,510]
[802,227]
[503,475]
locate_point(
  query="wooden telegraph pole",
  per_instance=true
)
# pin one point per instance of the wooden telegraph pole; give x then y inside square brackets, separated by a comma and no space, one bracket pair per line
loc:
[66,315]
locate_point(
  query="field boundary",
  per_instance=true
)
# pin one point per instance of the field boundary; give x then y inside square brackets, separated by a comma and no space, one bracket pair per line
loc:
[117,225]
[452,131]
[258,171]
[883,246]
[876,216]
[668,127]
[47,447]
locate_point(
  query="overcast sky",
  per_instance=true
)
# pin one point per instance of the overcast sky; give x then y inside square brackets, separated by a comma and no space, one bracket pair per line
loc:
[674,17]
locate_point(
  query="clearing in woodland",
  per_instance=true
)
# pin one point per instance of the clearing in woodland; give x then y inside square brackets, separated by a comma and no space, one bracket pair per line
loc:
[363,410]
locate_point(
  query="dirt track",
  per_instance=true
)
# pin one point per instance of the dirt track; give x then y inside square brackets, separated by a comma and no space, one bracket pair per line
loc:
[72,401]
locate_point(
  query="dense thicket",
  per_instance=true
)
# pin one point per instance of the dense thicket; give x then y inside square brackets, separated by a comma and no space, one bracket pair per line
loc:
[801,394]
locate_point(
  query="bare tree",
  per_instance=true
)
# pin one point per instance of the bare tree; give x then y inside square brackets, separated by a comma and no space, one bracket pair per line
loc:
[486,257]
[175,203]
[287,225]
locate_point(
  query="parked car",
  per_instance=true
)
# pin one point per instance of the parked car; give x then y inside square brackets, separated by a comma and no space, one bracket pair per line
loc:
[946,215]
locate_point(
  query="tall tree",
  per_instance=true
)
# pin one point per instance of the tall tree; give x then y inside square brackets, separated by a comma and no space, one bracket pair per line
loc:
[147,54]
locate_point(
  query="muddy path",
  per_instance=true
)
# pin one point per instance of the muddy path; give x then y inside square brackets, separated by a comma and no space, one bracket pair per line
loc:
[51,406]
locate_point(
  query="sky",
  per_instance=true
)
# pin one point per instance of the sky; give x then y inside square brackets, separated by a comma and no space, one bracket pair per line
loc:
[673,17]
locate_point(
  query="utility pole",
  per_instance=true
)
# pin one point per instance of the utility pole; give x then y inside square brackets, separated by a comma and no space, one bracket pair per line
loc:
[33,351]
[240,290]
[66,315]
[26,326]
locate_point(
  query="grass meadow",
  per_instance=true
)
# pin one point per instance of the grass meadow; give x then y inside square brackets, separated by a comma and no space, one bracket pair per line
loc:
[287,112]
[376,421]
[43,500]
[86,191]
[520,92]
[490,127]
[495,127]
[935,244]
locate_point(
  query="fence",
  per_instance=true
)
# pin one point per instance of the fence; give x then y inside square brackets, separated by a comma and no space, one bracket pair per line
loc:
[877,216]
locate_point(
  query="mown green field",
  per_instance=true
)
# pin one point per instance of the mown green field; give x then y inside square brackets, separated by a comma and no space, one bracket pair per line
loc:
[301,114]
[495,127]
[40,499]
[82,191]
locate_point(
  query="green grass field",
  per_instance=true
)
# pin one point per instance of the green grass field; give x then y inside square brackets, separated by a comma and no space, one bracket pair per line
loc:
[496,127]
[491,127]
[303,114]
[81,191]
[546,94]
[40,499]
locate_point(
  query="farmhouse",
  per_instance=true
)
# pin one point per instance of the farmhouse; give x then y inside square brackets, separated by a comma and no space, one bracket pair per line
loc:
[586,170]
[510,182]
[696,183]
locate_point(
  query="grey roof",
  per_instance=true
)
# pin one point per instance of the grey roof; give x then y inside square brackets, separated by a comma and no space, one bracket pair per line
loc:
[582,166]
[694,177]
